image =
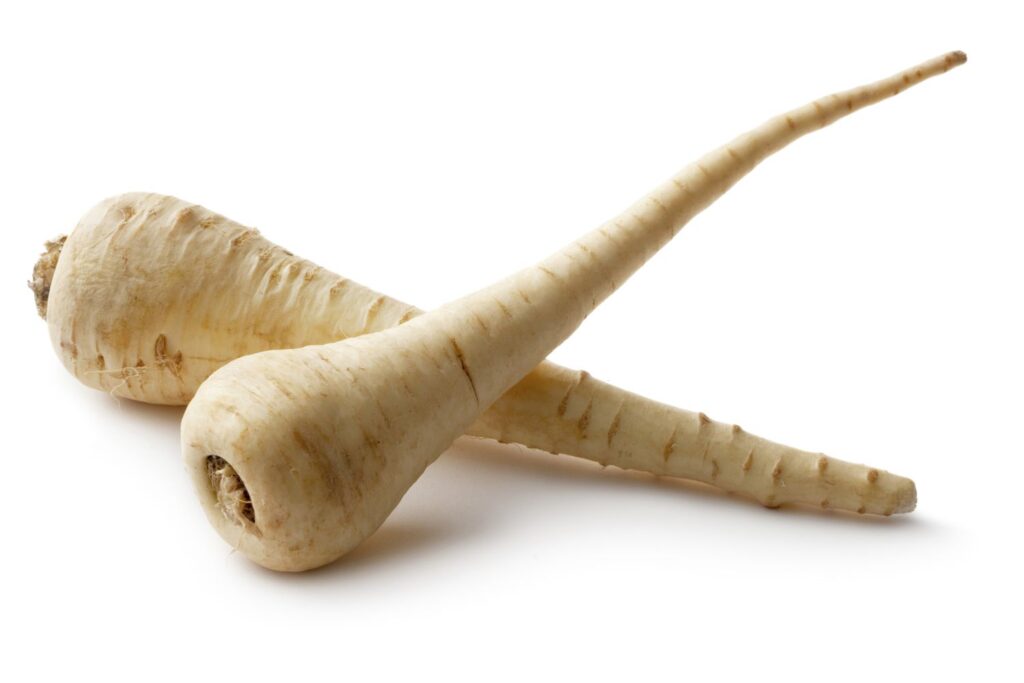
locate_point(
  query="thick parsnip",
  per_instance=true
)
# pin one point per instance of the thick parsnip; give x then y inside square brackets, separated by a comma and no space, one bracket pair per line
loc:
[140,308]
[298,455]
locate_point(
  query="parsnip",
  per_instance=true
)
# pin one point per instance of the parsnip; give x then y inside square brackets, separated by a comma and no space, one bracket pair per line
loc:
[138,308]
[300,454]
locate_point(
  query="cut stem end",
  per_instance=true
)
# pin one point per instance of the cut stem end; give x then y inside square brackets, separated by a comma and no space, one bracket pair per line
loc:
[42,273]
[232,497]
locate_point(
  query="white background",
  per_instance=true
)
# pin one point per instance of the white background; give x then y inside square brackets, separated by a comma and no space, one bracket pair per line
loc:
[858,294]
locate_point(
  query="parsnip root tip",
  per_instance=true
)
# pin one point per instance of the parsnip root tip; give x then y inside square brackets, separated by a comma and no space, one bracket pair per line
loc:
[42,273]
[906,495]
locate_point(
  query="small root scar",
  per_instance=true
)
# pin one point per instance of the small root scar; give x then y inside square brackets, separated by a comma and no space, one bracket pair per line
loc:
[371,313]
[480,322]
[614,428]
[465,369]
[749,462]
[551,274]
[670,445]
[777,471]
[584,421]
[563,405]
[504,309]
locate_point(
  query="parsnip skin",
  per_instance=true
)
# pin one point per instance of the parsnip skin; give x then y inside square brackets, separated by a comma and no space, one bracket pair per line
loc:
[173,315]
[326,439]
[601,422]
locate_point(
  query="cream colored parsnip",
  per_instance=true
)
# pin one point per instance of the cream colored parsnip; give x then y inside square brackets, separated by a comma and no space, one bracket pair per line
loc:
[137,308]
[298,455]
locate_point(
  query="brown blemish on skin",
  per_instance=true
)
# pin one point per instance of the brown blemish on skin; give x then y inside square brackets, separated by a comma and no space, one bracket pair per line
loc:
[906,78]
[504,309]
[182,217]
[523,296]
[872,476]
[714,469]
[160,355]
[822,464]
[101,363]
[208,223]
[587,250]
[280,386]
[849,104]
[658,203]
[465,368]
[563,405]
[584,421]
[703,419]
[824,504]
[614,428]
[244,237]
[603,231]
[550,274]
[71,348]
[736,429]
[480,322]
[407,316]
[323,465]
[790,123]
[683,187]
[861,510]
[669,445]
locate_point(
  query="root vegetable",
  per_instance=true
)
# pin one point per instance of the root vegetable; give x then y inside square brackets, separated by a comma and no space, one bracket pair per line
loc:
[298,455]
[138,308]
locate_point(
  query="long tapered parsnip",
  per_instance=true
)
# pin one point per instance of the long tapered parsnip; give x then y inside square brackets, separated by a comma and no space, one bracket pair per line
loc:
[139,308]
[300,454]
